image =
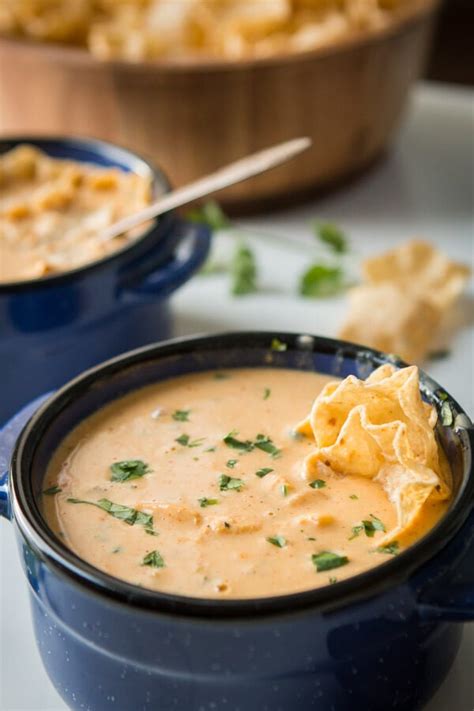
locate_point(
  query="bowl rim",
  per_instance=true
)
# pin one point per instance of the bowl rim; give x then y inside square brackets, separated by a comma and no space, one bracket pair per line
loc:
[114,152]
[67,564]
[81,56]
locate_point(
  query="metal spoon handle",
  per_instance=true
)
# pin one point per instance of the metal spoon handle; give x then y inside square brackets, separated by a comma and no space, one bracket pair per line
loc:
[242,169]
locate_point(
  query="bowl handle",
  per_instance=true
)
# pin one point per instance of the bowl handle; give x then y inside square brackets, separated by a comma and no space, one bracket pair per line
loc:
[190,255]
[449,596]
[8,437]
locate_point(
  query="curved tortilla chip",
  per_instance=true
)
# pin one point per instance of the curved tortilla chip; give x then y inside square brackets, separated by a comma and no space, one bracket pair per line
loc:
[380,428]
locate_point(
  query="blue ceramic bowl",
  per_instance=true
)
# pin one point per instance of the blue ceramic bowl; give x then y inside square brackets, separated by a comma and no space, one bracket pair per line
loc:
[53,328]
[384,639]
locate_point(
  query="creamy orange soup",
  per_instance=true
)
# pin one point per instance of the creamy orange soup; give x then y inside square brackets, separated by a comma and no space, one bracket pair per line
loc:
[196,486]
[52,212]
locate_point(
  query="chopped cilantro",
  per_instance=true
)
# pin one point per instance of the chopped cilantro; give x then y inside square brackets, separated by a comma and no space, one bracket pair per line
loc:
[243,271]
[332,581]
[354,497]
[278,345]
[370,527]
[278,541]
[204,502]
[181,415]
[266,393]
[331,235]
[211,214]
[266,445]
[128,469]
[210,449]
[154,560]
[121,512]
[327,561]
[231,441]
[263,472]
[320,280]
[389,548]
[185,441]
[317,484]
[228,483]
[284,490]
[52,491]
[231,463]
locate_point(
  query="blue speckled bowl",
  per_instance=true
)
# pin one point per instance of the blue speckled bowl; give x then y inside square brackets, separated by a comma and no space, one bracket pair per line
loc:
[384,639]
[53,328]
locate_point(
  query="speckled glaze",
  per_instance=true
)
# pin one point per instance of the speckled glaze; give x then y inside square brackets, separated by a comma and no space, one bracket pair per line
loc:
[381,640]
[53,328]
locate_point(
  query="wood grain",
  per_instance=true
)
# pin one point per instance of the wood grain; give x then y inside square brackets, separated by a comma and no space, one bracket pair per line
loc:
[193,118]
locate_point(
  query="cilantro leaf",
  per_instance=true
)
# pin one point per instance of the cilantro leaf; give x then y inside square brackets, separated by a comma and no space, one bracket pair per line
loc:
[181,415]
[231,441]
[263,472]
[317,484]
[128,469]
[331,235]
[229,483]
[211,214]
[390,548]
[266,445]
[320,280]
[122,513]
[278,541]
[154,560]
[51,491]
[327,561]
[243,271]
[204,502]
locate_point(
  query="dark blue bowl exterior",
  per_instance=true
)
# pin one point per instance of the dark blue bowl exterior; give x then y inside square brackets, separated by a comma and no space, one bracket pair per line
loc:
[388,651]
[52,329]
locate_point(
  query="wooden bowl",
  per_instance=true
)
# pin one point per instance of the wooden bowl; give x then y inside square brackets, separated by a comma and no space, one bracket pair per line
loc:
[196,116]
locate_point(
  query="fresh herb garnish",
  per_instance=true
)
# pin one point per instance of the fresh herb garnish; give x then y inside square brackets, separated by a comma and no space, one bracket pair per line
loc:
[154,560]
[243,271]
[231,463]
[52,491]
[331,235]
[310,538]
[277,345]
[389,548]
[266,393]
[120,512]
[204,502]
[446,414]
[266,445]
[231,441]
[211,214]
[278,541]
[332,581]
[439,354]
[321,280]
[181,415]
[229,483]
[210,449]
[284,490]
[353,496]
[370,527]
[263,472]
[185,441]
[128,469]
[317,484]
[327,561]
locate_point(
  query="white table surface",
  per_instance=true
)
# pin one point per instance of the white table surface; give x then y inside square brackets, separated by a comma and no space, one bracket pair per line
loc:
[424,187]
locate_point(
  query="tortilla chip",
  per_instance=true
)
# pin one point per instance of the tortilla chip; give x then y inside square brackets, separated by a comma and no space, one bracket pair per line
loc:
[380,428]
[407,295]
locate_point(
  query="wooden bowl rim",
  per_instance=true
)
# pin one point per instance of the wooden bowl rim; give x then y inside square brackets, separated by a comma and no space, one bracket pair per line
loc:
[83,57]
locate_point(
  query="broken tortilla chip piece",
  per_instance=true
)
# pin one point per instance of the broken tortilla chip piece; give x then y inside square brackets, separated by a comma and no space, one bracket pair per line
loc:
[380,428]
[406,296]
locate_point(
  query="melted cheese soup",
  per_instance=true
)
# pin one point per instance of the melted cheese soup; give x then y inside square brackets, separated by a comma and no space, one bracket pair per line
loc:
[200,486]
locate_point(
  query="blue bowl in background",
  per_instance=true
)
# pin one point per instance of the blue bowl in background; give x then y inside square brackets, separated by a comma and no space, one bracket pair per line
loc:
[383,639]
[54,327]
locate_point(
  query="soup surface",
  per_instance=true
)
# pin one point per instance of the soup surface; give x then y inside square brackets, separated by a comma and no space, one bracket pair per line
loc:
[52,211]
[198,486]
